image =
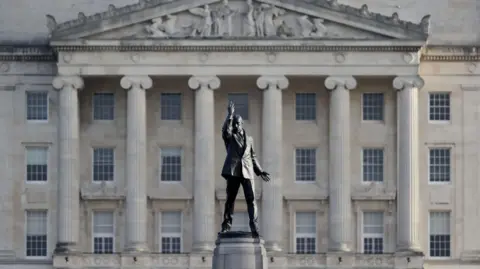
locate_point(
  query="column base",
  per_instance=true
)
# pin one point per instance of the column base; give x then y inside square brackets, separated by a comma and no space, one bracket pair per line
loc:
[273,247]
[65,248]
[137,248]
[203,247]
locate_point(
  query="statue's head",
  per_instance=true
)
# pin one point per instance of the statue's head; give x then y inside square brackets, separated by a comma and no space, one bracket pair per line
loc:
[237,123]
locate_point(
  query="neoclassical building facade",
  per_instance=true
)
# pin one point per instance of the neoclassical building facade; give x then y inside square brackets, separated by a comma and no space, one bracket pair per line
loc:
[112,148]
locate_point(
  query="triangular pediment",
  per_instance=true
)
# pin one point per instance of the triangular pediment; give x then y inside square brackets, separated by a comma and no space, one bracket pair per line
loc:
[237,19]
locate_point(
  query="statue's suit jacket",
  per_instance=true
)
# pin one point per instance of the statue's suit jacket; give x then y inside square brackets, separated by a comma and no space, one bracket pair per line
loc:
[238,155]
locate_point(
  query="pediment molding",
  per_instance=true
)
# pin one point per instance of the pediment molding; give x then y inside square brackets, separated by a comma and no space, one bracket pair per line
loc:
[287,19]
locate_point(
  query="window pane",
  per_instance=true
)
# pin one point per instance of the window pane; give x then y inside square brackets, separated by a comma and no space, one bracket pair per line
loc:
[372,165]
[440,241]
[36,233]
[305,222]
[37,105]
[103,164]
[171,222]
[305,164]
[103,223]
[171,164]
[37,164]
[439,107]
[171,106]
[103,106]
[373,223]
[306,106]
[373,104]
[440,165]
[241,103]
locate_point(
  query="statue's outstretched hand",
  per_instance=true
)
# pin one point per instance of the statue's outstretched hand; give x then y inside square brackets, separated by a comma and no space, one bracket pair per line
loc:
[265,176]
[231,108]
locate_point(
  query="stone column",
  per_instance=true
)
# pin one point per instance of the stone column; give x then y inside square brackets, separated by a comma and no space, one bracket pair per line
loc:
[68,205]
[340,201]
[407,161]
[136,168]
[204,170]
[272,149]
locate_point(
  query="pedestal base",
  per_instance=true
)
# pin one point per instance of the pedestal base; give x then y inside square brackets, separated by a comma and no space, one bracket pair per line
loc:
[239,250]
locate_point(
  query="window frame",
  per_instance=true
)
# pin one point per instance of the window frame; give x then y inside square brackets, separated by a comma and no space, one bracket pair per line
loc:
[362,114]
[315,107]
[93,165]
[160,234]
[25,234]
[363,234]
[39,90]
[296,235]
[114,107]
[181,107]
[429,148]
[429,107]
[92,241]
[450,233]
[245,119]
[362,165]
[160,161]
[295,165]
[26,148]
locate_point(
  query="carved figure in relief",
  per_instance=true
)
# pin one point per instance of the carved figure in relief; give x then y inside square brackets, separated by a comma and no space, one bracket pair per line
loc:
[249,24]
[271,14]
[204,28]
[163,26]
[259,18]
[225,13]
[312,27]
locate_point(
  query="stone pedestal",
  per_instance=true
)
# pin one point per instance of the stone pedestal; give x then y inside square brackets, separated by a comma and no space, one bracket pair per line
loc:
[239,250]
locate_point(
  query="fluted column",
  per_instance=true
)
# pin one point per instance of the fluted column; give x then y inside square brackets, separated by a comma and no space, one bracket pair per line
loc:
[204,169]
[340,203]
[407,169]
[68,205]
[272,148]
[136,168]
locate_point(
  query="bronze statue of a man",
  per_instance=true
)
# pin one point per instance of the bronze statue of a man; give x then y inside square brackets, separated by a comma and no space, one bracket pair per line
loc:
[239,168]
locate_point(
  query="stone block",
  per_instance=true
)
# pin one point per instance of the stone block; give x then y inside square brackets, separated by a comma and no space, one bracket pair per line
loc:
[239,250]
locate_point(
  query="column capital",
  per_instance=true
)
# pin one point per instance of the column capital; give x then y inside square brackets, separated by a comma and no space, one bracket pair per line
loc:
[277,82]
[74,82]
[142,82]
[204,82]
[345,82]
[404,82]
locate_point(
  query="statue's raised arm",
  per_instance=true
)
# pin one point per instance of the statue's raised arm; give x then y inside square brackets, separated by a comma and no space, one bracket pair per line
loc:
[227,125]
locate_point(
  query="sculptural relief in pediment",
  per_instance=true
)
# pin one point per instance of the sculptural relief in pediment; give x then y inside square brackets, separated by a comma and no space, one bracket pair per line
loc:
[238,19]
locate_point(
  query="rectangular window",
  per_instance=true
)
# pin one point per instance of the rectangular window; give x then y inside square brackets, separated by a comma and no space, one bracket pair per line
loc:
[373,104]
[37,164]
[439,106]
[305,164]
[240,222]
[171,106]
[440,234]
[373,165]
[103,164]
[306,106]
[103,106]
[305,232]
[241,103]
[37,106]
[103,232]
[170,164]
[36,233]
[171,232]
[373,232]
[439,165]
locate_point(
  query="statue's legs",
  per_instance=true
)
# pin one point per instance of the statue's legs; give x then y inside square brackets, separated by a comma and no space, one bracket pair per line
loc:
[249,192]
[233,184]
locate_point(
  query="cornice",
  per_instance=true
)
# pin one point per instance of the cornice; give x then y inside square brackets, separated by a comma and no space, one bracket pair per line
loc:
[40,53]
[452,53]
